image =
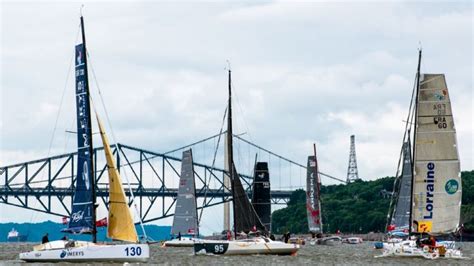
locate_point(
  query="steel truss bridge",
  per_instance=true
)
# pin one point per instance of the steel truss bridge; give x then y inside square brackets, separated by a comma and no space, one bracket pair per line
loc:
[46,185]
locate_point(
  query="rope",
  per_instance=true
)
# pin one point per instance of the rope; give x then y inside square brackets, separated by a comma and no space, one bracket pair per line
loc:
[58,114]
[115,143]
[397,181]
[213,163]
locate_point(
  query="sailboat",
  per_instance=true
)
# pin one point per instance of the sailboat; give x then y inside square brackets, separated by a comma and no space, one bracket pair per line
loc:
[245,217]
[313,204]
[83,214]
[185,222]
[434,194]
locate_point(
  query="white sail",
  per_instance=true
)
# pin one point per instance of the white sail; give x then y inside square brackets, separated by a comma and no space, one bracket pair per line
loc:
[437,180]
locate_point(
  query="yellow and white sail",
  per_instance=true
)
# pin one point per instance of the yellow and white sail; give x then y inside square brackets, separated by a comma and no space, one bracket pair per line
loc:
[437,178]
[120,222]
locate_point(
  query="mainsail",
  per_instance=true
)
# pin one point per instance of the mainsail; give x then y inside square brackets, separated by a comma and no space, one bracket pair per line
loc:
[120,222]
[401,216]
[437,180]
[82,213]
[245,217]
[313,207]
[185,220]
[261,193]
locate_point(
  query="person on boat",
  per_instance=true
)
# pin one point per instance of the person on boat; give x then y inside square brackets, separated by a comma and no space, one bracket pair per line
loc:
[179,236]
[64,237]
[286,236]
[432,242]
[418,241]
[272,237]
[45,239]
[229,235]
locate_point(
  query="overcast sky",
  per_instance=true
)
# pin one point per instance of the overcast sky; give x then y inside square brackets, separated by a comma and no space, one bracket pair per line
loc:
[302,73]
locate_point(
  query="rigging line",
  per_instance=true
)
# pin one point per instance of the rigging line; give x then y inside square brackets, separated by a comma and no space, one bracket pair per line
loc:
[408,127]
[115,142]
[240,107]
[285,159]
[195,143]
[213,162]
[59,111]
[62,96]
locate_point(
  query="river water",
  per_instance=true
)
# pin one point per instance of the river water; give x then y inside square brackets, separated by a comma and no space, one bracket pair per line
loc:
[345,254]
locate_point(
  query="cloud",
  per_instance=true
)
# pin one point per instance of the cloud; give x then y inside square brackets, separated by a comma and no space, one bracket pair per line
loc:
[302,73]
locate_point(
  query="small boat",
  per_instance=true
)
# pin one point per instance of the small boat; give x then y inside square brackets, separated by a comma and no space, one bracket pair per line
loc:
[185,222]
[245,218]
[83,214]
[428,201]
[297,240]
[352,240]
[329,240]
[15,236]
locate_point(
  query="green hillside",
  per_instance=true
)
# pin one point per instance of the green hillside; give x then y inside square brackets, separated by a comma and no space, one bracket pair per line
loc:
[359,207]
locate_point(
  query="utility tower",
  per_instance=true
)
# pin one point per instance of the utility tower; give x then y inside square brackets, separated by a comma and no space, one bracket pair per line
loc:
[352,173]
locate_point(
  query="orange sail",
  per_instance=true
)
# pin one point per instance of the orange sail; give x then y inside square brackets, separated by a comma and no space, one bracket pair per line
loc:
[120,224]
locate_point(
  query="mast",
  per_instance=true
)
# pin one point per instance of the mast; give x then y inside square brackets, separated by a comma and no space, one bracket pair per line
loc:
[414,139]
[89,125]
[230,152]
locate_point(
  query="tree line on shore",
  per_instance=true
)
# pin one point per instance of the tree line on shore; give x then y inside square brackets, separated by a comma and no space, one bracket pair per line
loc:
[358,207]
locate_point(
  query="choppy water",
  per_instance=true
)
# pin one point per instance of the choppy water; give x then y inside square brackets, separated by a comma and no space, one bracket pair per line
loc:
[362,254]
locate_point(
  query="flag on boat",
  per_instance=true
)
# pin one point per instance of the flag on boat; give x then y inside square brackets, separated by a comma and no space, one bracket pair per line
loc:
[101,222]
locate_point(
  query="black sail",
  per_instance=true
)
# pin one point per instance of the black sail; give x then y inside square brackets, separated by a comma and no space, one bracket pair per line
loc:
[261,194]
[246,219]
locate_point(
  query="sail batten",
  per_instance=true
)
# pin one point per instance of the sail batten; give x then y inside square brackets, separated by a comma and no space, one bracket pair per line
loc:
[120,222]
[437,183]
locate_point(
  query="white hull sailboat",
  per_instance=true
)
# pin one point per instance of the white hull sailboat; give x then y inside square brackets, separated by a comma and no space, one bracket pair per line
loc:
[313,204]
[435,190]
[409,248]
[185,222]
[83,251]
[253,246]
[244,214]
[183,242]
[83,214]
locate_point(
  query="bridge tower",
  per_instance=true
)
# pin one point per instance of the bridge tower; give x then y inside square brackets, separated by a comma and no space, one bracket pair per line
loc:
[352,173]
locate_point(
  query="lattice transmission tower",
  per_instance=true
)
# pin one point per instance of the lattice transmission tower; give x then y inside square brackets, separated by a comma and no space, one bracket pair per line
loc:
[352,173]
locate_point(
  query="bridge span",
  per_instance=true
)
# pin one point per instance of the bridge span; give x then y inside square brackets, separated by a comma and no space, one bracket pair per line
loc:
[46,185]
